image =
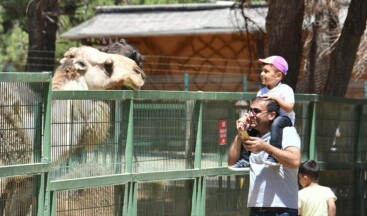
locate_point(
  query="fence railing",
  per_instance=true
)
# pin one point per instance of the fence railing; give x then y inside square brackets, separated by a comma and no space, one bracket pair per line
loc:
[155,152]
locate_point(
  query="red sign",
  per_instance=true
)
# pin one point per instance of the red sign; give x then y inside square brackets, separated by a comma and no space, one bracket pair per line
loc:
[222,132]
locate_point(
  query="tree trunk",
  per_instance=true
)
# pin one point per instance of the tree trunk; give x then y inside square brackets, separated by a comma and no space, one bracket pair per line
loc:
[324,32]
[42,26]
[344,55]
[284,27]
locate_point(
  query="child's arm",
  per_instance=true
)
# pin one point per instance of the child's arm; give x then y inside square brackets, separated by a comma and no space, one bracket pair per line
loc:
[288,107]
[331,206]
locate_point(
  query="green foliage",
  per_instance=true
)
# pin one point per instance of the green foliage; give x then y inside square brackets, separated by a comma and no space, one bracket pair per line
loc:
[13,38]
[14,13]
[14,46]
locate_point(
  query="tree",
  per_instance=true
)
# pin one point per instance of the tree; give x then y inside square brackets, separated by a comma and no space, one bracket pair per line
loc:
[331,55]
[42,25]
[342,52]
[284,27]
[344,55]
[331,52]
[322,28]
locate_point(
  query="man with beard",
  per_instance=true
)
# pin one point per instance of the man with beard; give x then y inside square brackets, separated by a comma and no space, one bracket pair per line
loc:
[273,189]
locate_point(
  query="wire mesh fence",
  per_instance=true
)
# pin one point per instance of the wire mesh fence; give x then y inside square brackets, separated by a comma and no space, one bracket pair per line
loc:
[83,143]
[20,123]
[15,198]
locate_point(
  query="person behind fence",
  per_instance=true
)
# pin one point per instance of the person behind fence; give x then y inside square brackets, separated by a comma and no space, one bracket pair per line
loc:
[314,199]
[274,69]
[273,190]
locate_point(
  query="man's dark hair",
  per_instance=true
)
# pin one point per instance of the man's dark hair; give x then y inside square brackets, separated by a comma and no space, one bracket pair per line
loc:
[273,105]
[310,168]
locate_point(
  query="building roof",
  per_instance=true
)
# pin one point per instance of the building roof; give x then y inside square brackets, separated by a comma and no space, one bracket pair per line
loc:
[153,20]
[173,19]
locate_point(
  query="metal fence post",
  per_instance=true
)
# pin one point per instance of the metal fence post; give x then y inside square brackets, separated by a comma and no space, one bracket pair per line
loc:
[244,81]
[312,135]
[130,199]
[198,198]
[186,81]
[129,136]
[358,151]
[44,199]
[199,134]
[119,108]
[197,193]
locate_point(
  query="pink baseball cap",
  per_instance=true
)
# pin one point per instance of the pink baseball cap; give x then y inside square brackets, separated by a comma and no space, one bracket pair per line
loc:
[277,61]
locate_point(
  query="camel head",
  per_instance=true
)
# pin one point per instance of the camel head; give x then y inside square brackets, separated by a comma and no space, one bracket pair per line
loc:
[86,68]
[123,48]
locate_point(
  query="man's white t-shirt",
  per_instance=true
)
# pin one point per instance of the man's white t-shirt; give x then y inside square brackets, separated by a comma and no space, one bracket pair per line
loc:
[313,200]
[274,186]
[286,93]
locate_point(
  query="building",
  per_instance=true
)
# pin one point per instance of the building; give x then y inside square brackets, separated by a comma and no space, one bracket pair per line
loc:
[203,41]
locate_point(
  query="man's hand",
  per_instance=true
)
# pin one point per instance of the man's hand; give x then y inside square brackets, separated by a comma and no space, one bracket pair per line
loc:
[289,157]
[243,123]
[255,144]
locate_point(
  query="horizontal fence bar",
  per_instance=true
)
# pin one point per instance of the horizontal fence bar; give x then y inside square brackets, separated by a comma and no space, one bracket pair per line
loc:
[26,169]
[25,76]
[342,165]
[96,95]
[181,95]
[80,183]
[150,94]
[120,179]
[343,100]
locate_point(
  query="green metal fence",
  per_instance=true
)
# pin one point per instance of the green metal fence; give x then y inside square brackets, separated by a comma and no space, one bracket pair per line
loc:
[154,152]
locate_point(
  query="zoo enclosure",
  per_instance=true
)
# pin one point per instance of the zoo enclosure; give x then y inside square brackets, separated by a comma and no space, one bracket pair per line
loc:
[163,154]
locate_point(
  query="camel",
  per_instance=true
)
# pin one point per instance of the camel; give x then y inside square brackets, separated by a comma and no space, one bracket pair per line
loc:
[82,68]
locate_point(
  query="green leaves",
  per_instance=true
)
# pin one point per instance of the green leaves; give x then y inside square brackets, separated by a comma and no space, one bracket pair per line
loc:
[13,48]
